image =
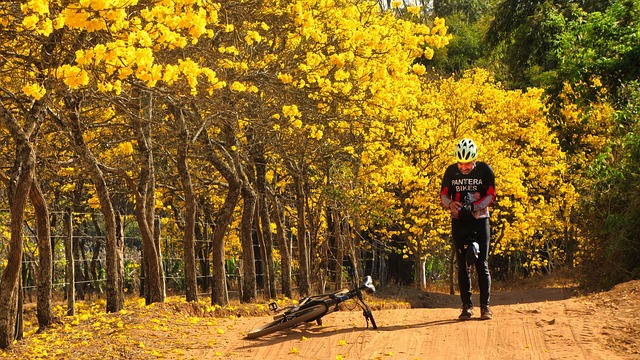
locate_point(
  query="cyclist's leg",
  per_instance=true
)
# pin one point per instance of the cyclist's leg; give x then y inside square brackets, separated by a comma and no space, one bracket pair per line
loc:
[459,233]
[482,265]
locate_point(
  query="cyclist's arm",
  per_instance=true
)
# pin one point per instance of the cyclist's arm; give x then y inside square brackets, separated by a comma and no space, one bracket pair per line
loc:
[445,198]
[486,201]
[490,195]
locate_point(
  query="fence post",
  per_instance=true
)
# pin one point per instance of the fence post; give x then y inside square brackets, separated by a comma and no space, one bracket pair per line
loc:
[69,273]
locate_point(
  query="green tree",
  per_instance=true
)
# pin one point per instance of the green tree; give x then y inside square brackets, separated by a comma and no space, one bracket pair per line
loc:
[523,34]
[600,50]
[595,113]
[465,50]
[470,10]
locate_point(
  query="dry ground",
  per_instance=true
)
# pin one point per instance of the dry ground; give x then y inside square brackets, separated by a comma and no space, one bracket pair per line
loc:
[543,321]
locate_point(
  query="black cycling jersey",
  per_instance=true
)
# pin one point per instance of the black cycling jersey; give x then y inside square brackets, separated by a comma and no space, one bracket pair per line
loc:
[477,188]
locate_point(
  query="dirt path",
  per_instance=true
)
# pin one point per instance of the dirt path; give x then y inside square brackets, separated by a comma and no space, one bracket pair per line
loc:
[539,323]
[533,324]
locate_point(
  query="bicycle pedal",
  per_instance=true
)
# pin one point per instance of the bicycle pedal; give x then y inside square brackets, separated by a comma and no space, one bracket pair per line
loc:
[273,306]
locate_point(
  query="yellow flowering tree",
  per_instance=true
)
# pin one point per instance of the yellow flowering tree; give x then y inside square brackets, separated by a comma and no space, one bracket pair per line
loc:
[99,49]
[346,81]
[533,199]
[21,119]
[322,110]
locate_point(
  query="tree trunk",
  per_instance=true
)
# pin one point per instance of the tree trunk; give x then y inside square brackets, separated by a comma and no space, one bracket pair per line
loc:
[44,311]
[19,314]
[115,293]
[191,284]
[120,250]
[348,239]
[19,187]
[265,221]
[219,294]
[153,287]
[144,193]
[304,283]
[153,276]
[262,273]
[143,273]
[337,232]
[421,275]
[69,273]
[156,240]
[313,214]
[94,265]
[249,290]
[73,129]
[283,246]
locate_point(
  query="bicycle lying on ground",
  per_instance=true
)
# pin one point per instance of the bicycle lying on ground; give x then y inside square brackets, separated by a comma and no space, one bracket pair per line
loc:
[313,308]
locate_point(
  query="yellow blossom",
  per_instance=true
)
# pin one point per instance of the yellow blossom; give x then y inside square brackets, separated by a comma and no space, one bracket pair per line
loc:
[414,10]
[252,37]
[419,69]
[238,86]
[34,91]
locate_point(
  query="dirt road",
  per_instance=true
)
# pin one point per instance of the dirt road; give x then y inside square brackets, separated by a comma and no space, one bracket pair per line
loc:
[538,323]
[531,324]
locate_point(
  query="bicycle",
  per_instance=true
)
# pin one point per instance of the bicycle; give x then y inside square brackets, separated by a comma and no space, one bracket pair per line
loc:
[313,308]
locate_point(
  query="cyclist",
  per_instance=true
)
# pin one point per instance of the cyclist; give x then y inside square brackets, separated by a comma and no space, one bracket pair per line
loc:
[468,189]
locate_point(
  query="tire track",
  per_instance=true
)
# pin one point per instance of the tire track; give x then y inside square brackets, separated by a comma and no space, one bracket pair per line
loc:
[559,329]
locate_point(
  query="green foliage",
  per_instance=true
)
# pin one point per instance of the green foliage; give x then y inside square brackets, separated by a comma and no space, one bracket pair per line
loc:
[465,49]
[594,100]
[523,34]
[470,10]
[605,45]
[614,212]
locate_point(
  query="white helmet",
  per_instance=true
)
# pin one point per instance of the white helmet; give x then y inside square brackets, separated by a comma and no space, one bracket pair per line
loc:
[466,151]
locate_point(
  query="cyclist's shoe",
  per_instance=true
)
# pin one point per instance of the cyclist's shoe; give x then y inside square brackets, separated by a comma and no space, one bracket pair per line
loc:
[467,312]
[485,313]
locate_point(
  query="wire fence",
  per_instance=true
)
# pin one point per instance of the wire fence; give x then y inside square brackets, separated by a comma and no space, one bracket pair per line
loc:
[89,257]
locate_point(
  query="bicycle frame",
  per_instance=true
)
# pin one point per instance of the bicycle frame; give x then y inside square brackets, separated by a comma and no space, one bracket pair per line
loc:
[313,308]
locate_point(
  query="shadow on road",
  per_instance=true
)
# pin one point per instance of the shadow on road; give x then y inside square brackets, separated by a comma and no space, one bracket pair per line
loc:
[417,299]
[431,300]
[312,331]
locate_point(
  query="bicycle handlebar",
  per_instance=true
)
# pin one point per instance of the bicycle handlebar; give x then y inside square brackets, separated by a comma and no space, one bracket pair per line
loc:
[368,284]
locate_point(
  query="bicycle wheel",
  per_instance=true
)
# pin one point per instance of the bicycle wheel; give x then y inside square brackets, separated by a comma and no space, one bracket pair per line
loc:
[299,317]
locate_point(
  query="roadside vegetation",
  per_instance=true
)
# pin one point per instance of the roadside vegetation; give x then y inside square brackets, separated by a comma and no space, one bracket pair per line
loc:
[249,148]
